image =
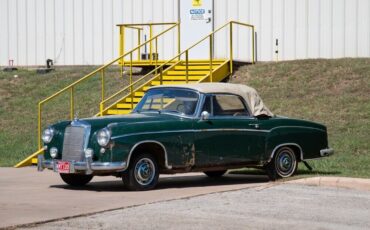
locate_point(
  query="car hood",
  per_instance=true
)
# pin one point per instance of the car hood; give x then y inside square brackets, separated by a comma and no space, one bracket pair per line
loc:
[100,122]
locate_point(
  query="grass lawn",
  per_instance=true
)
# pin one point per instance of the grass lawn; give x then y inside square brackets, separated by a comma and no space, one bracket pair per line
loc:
[333,92]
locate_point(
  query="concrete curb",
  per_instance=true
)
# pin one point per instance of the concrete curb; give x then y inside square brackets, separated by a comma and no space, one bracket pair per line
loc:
[337,182]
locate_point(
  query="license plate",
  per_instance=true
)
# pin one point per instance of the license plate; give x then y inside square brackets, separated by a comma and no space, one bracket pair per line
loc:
[63,166]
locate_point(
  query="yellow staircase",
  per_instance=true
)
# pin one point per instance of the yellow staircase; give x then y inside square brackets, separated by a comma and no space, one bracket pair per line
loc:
[178,70]
[194,72]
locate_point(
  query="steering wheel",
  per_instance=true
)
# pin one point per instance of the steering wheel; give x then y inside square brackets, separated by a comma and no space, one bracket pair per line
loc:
[180,108]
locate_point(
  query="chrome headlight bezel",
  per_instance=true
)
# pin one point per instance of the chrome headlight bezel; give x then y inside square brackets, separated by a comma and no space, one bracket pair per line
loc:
[47,135]
[103,137]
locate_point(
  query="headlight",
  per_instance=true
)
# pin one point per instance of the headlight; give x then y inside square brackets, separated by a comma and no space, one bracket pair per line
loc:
[103,137]
[47,135]
[53,152]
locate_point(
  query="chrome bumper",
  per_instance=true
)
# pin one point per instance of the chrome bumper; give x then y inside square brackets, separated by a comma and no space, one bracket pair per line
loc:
[86,166]
[326,152]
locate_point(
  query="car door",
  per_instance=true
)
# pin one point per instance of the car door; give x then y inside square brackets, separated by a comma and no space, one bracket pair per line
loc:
[230,134]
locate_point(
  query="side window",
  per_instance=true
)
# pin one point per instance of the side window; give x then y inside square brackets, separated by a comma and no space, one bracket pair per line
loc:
[207,105]
[228,105]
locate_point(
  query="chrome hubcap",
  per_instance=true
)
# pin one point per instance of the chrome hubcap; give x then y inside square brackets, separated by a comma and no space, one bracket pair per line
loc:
[144,171]
[285,162]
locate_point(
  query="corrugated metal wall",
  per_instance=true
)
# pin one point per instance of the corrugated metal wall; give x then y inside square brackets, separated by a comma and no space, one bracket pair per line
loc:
[304,28]
[74,32]
[83,32]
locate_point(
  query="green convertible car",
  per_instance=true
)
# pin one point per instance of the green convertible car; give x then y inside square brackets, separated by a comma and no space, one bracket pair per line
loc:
[208,127]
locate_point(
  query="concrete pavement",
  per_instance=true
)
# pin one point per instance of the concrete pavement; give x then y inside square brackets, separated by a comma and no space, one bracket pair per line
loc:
[28,196]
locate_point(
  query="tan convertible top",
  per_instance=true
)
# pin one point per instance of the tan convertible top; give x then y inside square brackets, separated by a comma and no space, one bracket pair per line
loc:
[249,94]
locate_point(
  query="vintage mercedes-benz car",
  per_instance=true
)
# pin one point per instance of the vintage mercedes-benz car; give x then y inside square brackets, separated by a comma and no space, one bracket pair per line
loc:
[208,127]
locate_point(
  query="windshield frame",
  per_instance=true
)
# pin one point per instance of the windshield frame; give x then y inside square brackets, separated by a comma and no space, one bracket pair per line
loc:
[194,115]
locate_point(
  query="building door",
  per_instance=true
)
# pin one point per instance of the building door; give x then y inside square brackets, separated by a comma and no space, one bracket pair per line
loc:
[196,18]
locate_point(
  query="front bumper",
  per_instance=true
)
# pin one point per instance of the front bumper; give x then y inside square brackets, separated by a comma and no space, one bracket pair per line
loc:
[88,167]
[326,152]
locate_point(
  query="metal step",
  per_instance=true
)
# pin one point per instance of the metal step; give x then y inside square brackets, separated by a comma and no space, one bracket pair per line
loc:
[171,82]
[183,73]
[118,111]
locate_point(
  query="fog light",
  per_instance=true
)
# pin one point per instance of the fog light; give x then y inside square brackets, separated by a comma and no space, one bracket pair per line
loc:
[53,152]
[89,153]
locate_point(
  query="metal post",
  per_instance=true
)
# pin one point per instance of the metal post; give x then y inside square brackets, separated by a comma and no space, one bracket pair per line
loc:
[121,42]
[210,56]
[39,124]
[231,47]
[156,51]
[178,40]
[187,65]
[102,85]
[161,75]
[121,71]
[131,88]
[138,44]
[72,103]
[253,46]
[150,43]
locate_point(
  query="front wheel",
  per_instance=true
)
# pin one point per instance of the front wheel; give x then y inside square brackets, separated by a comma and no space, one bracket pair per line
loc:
[142,173]
[76,179]
[283,165]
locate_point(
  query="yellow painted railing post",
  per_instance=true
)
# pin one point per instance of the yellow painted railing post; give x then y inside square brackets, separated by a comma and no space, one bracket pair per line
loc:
[138,44]
[72,102]
[39,126]
[101,108]
[156,51]
[210,57]
[102,85]
[131,87]
[161,76]
[253,46]
[231,47]
[178,40]
[121,42]
[187,65]
[150,43]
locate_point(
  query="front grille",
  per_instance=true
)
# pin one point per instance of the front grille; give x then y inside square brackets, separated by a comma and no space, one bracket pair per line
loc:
[73,144]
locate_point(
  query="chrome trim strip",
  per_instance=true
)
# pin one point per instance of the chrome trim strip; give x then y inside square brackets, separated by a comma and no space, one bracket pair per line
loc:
[82,166]
[149,141]
[326,152]
[322,130]
[192,130]
[285,144]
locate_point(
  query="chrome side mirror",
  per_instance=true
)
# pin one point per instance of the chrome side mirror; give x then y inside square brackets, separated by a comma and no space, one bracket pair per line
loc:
[204,116]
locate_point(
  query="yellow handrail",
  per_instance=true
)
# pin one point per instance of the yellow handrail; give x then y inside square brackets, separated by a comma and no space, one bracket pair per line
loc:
[139,27]
[186,52]
[101,69]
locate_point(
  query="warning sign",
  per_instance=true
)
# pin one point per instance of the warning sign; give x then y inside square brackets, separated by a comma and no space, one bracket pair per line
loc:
[197,2]
[197,14]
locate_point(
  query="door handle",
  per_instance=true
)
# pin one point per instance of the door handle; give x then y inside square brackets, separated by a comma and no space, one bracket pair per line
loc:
[256,126]
[209,20]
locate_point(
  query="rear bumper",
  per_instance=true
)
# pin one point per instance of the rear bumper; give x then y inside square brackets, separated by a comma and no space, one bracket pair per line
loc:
[326,152]
[88,167]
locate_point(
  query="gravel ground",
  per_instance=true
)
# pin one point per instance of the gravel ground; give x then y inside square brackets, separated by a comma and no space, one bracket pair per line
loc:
[277,207]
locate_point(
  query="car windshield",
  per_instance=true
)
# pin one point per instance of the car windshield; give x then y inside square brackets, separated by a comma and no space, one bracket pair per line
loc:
[175,101]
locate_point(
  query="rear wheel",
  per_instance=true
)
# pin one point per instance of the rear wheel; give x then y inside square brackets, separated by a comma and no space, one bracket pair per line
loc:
[76,179]
[215,174]
[142,173]
[284,164]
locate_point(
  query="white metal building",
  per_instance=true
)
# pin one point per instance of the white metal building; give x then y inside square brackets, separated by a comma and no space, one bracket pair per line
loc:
[83,32]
